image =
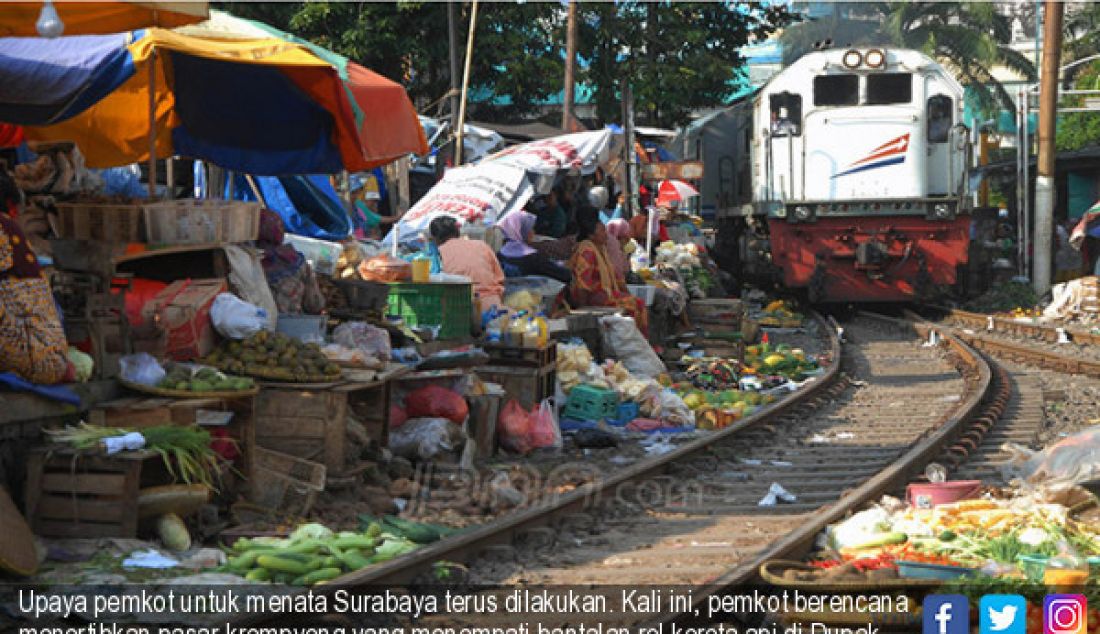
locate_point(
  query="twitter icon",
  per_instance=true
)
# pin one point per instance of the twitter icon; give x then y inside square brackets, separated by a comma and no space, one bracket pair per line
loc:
[1003,614]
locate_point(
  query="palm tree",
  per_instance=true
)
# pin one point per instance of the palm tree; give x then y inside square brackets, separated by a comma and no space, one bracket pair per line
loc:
[970,38]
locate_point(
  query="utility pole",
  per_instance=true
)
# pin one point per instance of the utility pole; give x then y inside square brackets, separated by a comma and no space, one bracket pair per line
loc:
[570,61]
[452,42]
[461,125]
[631,156]
[1044,181]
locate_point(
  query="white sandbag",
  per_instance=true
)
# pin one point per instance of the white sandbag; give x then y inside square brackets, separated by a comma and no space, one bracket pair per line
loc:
[626,343]
[247,281]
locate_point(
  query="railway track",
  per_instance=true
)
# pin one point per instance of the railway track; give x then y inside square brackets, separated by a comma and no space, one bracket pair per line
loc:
[694,517]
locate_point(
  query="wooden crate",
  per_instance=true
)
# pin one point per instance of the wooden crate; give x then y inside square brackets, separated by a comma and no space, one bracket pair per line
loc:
[87,496]
[523,357]
[285,483]
[117,223]
[307,423]
[201,221]
[716,314]
[529,386]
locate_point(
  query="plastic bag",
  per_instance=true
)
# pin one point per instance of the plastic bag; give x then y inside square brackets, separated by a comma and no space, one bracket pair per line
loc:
[426,438]
[513,428]
[1072,460]
[437,402]
[621,335]
[235,318]
[385,268]
[397,416]
[247,281]
[544,426]
[141,368]
[363,336]
[671,407]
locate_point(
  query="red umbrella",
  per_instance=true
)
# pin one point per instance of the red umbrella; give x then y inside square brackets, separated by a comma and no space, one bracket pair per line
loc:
[675,190]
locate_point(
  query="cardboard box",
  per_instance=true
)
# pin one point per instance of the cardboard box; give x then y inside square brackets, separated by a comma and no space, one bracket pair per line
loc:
[180,318]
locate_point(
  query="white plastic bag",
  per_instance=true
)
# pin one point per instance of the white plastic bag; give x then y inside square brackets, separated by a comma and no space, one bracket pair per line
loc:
[362,336]
[426,438]
[621,336]
[247,281]
[1072,460]
[235,318]
[141,368]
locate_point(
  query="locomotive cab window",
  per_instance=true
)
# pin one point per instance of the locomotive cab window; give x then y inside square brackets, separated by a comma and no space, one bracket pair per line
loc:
[889,88]
[939,118]
[836,90]
[786,114]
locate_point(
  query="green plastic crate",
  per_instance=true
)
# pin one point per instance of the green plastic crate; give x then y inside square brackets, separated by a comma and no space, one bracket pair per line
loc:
[588,402]
[448,306]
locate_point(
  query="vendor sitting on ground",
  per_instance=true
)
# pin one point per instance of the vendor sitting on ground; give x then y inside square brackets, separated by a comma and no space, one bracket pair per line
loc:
[594,280]
[472,258]
[289,275]
[32,342]
[518,258]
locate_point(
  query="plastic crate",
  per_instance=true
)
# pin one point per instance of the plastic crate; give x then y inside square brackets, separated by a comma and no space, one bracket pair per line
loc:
[448,306]
[624,413]
[587,402]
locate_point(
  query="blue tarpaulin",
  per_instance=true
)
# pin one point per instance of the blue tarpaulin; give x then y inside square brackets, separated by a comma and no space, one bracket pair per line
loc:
[308,205]
[40,85]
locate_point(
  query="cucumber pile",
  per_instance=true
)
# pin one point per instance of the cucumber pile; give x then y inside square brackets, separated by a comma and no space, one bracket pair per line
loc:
[314,554]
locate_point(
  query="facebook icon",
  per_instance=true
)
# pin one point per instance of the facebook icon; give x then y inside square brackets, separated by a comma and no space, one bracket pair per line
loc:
[946,614]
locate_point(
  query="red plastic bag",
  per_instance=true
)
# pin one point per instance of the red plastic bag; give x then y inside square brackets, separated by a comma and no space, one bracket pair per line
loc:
[397,416]
[544,426]
[513,428]
[434,401]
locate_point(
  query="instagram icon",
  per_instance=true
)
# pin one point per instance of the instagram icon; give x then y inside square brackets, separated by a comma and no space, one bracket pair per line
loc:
[1064,614]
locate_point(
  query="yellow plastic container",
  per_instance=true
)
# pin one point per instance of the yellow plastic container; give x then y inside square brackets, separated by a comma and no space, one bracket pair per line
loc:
[1065,577]
[421,270]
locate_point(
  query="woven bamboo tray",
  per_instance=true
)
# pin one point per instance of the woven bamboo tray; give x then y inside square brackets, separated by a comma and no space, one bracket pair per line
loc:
[160,391]
[269,375]
[772,572]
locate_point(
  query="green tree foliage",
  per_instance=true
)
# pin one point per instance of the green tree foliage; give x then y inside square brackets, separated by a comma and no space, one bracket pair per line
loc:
[1077,130]
[679,56]
[970,38]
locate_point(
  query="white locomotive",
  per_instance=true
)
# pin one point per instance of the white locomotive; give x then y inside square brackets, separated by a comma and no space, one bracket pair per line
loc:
[847,173]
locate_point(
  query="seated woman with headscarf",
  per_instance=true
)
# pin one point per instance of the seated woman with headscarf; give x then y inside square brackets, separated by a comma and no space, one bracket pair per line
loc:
[472,258]
[32,341]
[518,258]
[290,277]
[595,281]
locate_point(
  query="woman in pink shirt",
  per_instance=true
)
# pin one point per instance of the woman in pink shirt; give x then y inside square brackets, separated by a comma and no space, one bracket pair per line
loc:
[471,258]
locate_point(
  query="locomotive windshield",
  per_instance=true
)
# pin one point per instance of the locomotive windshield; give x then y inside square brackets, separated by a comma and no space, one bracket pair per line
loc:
[836,90]
[889,88]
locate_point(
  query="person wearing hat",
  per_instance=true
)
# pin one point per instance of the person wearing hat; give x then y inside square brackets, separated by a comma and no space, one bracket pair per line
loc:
[366,198]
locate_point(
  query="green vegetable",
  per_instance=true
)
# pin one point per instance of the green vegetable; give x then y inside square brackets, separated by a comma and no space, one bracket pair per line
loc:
[947,536]
[278,563]
[360,542]
[323,574]
[258,574]
[353,559]
[881,539]
[173,533]
[390,549]
[413,531]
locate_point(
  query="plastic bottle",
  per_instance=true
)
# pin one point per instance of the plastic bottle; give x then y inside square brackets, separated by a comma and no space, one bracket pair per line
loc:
[544,329]
[492,326]
[531,334]
[516,329]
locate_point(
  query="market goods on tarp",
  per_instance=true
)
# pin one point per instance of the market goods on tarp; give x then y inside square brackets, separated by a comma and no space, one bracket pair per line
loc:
[314,554]
[780,314]
[713,375]
[275,356]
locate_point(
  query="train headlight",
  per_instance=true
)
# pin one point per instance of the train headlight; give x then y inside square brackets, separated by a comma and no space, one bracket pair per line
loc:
[852,59]
[941,211]
[875,58]
[802,213]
